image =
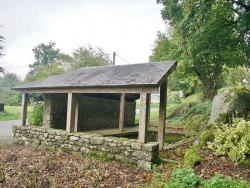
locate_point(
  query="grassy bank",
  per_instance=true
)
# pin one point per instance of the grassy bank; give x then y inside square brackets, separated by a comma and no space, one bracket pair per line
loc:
[12,113]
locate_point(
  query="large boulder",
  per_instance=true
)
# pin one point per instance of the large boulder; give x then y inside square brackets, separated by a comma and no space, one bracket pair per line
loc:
[230,103]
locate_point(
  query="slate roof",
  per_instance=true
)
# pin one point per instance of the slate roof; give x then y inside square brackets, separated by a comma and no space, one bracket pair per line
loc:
[143,74]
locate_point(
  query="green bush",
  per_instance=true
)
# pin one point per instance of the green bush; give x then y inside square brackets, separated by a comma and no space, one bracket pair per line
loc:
[186,178]
[37,114]
[232,139]
[219,181]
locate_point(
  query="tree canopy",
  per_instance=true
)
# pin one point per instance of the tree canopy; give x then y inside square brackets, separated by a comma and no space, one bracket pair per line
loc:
[88,56]
[8,96]
[50,61]
[207,37]
[1,51]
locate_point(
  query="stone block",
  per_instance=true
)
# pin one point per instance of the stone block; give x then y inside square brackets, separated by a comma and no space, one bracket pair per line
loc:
[125,159]
[104,148]
[126,143]
[144,164]
[93,147]
[86,136]
[74,138]
[84,149]
[84,141]
[76,148]
[129,152]
[58,137]
[51,136]
[97,140]
[143,155]
[114,150]
[108,140]
[66,146]
[137,146]
[151,146]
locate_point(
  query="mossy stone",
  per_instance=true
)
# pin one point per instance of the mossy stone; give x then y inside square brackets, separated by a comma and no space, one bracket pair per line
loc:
[191,158]
[206,136]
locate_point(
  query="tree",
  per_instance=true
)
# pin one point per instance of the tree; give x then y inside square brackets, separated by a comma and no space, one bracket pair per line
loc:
[89,56]
[1,51]
[166,48]
[207,42]
[8,96]
[48,61]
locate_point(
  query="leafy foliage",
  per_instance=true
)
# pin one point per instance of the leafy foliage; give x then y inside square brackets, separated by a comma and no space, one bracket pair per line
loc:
[186,178]
[206,38]
[195,115]
[37,114]
[49,61]
[232,139]
[8,96]
[89,56]
[1,51]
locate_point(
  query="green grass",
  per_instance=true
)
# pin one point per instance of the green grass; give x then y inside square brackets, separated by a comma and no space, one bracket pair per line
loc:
[171,107]
[12,113]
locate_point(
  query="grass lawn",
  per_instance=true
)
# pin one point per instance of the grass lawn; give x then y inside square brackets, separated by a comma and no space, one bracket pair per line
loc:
[12,113]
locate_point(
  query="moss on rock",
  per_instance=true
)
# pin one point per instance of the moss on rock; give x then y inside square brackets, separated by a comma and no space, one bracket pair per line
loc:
[206,136]
[191,158]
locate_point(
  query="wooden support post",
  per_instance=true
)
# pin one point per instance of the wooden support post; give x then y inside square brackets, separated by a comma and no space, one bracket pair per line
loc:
[143,118]
[148,108]
[24,108]
[122,110]
[70,113]
[162,114]
[77,109]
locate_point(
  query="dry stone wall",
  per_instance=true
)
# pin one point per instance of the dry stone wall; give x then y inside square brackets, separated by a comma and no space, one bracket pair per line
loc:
[122,149]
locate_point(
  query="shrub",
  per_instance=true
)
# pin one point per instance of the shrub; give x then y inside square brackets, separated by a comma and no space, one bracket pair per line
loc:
[37,114]
[232,139]
[186,178]
[219,181]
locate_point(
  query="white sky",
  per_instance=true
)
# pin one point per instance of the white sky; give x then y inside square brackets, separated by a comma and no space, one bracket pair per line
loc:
[127,27]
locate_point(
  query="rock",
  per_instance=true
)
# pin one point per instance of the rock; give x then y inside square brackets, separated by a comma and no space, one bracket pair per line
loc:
[230,103]
[219,106]
[144,165]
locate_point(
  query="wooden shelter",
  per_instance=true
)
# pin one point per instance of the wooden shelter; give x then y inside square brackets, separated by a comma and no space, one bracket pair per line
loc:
[123,81]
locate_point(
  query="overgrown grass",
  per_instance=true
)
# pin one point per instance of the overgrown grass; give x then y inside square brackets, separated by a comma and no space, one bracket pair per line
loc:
[12,113]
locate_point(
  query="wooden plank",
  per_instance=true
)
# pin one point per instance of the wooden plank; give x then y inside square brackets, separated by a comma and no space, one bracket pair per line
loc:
[70,113]
[77,111]
[122,110]
[162,115]
[143,119]
[24,108]
[150,89]
[148,108]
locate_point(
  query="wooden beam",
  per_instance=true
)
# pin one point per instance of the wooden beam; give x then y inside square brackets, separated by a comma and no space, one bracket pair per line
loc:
[24,108]
[143,118]
[148,108]
[70,113]
[147,89]
[162,115]
[122,110]
[77,110]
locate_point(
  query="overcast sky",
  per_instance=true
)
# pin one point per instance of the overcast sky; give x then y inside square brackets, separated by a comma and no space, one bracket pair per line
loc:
[128,27]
